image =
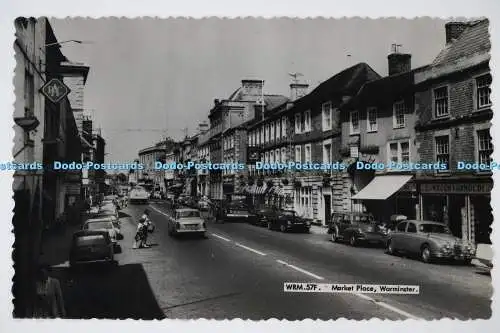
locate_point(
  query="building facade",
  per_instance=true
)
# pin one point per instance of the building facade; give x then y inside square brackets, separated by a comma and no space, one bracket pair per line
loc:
[454,115]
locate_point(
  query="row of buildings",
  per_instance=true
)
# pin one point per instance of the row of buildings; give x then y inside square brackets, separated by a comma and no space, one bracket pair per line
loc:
[47,131]
[440,112]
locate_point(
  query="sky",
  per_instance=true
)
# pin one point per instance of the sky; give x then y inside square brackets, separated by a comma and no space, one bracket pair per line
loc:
[162,75]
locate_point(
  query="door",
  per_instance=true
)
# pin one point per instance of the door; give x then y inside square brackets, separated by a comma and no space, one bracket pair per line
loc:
[328,208]
[411,238]
[397,236]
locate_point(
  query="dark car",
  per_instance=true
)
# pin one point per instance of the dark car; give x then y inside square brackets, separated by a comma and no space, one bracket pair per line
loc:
[288,220]
[91,246]
[263,215]
[237,212]
[357,228]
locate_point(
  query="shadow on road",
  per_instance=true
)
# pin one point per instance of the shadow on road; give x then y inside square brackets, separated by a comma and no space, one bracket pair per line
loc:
[119,292]
[122,214]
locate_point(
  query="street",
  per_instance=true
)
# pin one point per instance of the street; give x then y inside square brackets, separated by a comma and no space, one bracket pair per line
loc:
[238,271]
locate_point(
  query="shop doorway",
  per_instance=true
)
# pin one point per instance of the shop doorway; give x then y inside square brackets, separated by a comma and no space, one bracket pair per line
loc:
[482,218]
[328,207]
[457,215]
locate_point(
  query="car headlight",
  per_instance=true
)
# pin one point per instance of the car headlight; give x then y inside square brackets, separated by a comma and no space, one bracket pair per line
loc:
[288,222]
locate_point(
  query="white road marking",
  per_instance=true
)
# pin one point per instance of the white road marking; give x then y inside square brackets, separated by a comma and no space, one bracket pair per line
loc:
[219,236]
[159,211]
[250,249]
[300,270]
[362,296]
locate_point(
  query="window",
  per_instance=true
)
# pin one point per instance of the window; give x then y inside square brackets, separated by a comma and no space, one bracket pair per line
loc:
[272,135]
[354,122]
[266,159]
[412,227]
[308,153]
[443,149]
[298,154]
[283,155]
[399,152]
[307,121]
[232,141]
[327,153]
[483,91]
[298,123]
[277,156]
[271,156]
[484,146]
[371,120]
[399,113]
[261,130]
[327,116]
[401,227]
[29,94]
[441,102]
[284,127]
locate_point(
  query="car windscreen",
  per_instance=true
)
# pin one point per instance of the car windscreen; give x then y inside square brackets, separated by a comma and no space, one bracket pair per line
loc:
[434,228]
[99,225]
[90,240]
[288,213]
[189,213]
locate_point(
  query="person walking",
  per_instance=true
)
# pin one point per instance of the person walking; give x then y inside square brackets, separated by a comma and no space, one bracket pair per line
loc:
[139,235]
[49,302]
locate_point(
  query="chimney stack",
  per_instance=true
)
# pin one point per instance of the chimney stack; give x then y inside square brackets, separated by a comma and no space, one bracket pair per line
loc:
[252,88]
[298,90]
[203,127]
[454,30]
[398,62]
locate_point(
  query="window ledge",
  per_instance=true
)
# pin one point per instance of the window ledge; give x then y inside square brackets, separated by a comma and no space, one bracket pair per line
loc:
[372,131]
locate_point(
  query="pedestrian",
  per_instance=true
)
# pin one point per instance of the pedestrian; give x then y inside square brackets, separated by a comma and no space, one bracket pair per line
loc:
[139,235]
[49,302]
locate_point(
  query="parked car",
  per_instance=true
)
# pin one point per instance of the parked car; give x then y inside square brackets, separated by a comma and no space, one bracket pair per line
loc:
[288,220]
[203,203]
[430,240]
[185,221]
[356,228]
[265,214]
[236,211]
[114,219]
[91,246]
[103,224]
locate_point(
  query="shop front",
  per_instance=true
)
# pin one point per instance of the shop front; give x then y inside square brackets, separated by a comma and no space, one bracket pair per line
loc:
[464,205]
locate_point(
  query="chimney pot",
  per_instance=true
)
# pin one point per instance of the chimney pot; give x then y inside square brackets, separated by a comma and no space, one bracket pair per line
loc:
[399,63]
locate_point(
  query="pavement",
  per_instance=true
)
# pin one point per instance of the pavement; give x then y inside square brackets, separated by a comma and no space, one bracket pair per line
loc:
[239,270]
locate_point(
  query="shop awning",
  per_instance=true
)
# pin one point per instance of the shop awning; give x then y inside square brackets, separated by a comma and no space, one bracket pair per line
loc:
[382,187]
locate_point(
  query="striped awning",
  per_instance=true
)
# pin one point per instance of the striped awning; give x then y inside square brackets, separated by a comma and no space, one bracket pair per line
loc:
[261,190]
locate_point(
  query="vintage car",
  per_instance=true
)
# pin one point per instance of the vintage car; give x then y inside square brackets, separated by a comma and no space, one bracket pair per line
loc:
[91,246]
[104,223]
[263,215]
[356,228]
[288,220]
[430,240]
[186,221]
[236,211]
[484,257]
[114,219]
[139,195]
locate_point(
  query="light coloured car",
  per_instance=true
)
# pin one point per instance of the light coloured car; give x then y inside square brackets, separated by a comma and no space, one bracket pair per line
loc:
[186,221]
[102,224]
[430,240]
[114,219]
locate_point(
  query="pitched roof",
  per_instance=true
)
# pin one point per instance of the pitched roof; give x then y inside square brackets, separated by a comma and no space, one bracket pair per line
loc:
[273,101]
[382,90]
[345,83]
[473,40]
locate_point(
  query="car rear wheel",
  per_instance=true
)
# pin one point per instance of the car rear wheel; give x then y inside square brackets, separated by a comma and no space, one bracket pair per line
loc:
[353,241]
[282,228]
[425,253]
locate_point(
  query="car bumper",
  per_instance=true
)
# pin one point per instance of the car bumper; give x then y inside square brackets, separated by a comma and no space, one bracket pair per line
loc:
[453,256]
[372,238]
[91,261]
[191,231]
[297,226]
